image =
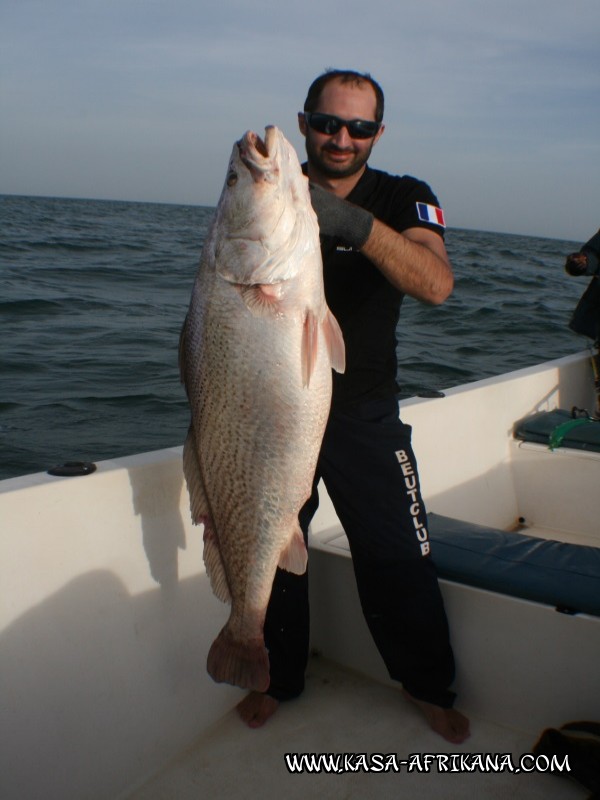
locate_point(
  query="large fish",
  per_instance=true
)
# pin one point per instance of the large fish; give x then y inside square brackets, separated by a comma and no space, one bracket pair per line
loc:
[256,353]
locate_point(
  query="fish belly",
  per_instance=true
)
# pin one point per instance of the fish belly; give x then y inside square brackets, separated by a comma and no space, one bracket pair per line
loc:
[256,432]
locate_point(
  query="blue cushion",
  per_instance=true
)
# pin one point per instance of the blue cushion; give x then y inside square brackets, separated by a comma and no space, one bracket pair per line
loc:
[563,575]
[558,428]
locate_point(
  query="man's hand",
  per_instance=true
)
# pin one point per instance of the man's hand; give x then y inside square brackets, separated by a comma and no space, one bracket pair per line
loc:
[576,264]
[585,262]
[340,218]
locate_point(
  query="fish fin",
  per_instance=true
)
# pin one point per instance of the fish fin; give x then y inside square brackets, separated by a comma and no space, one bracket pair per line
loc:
[214,565]
[243,664]
[200,509]
[310,341]
[294,557]
[335,342]
[193,476]
[261,299]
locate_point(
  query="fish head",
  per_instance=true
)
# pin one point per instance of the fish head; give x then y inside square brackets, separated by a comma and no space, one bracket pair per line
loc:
[265,221]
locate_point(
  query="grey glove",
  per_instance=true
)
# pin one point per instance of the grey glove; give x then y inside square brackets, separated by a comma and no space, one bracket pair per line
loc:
[340,218]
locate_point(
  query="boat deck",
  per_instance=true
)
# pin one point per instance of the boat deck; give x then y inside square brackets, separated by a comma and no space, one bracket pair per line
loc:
[342,712]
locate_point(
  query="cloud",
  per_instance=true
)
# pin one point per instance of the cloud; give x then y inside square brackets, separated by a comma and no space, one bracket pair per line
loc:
[140,99]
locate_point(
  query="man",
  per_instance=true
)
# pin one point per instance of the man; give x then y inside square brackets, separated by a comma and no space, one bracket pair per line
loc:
[585,319]
[381,238]
[587,260]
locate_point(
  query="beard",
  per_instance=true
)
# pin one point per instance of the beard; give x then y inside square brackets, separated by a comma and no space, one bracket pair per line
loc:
[330,169]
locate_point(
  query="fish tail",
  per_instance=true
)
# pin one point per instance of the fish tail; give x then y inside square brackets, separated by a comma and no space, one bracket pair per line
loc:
[240,663]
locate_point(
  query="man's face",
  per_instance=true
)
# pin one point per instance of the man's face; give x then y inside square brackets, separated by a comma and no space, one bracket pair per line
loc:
[339,155]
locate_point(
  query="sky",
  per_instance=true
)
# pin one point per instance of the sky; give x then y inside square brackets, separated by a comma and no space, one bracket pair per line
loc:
[495,104]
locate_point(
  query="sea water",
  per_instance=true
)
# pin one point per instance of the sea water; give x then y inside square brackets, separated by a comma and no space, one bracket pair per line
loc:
[93,295]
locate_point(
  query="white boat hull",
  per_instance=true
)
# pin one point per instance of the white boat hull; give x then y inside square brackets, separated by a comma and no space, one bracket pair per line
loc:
[107,614]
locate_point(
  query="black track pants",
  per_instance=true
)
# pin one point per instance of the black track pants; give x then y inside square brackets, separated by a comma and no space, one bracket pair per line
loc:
[369,469]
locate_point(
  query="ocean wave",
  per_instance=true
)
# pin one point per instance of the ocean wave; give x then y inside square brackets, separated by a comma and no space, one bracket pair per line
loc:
[96,293]
[32,307]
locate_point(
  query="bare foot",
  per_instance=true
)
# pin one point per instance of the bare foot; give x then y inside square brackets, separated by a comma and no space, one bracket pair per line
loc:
[448,722]
[256,708]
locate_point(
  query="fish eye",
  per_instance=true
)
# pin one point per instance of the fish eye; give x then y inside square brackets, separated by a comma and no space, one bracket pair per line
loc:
[232,177]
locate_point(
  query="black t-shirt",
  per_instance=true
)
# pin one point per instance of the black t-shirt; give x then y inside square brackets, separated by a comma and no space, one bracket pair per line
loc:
[363,301]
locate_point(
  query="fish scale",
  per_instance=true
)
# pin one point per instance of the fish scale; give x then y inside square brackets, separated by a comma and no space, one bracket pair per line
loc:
[256,353]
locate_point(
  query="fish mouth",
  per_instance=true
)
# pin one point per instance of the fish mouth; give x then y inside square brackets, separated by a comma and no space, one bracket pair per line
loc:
[258,155]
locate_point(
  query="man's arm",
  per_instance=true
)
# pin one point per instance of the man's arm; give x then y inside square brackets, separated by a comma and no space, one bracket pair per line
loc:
[414,261]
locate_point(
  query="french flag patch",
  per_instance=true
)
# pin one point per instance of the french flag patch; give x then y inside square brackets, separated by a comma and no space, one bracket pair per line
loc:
[429,213]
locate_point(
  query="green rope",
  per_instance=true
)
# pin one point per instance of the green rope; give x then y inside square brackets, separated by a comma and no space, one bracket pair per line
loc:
[558,434]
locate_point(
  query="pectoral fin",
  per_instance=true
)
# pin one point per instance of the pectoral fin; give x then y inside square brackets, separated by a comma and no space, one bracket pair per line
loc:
[335,342]
[294,557]
[310,341]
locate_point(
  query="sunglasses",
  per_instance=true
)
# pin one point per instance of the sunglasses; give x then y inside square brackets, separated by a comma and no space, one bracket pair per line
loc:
[330,125]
